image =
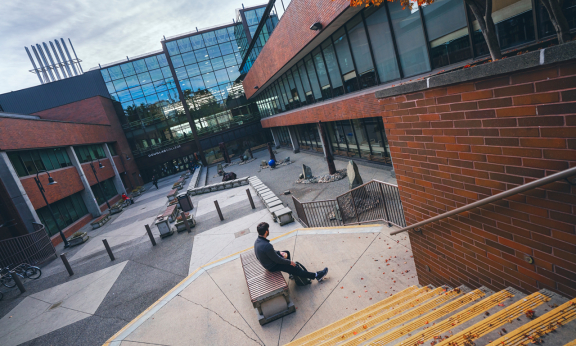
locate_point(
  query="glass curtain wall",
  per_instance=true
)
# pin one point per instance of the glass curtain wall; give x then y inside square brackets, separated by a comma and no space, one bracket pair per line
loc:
[66,211]
[28,162]
[386,43]
[87,153]
[284,136]
[153,114]
[361,138]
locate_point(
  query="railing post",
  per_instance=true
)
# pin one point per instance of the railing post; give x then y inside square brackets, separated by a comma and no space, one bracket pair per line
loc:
[219,211]
[66,264]
[250,199]
[150,235]
[18,282]
[385,207]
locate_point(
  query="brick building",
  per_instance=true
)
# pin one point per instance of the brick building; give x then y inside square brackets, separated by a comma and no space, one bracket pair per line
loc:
[63,141]
[457,128]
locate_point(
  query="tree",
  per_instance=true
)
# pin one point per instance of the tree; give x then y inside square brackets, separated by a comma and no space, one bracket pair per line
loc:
[482,10]
[554,8]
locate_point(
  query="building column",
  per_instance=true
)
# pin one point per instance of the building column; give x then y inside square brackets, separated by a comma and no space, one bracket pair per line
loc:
[327,149]
[17,193]
[275,137]
[87,194]
[294,139]
[117,180]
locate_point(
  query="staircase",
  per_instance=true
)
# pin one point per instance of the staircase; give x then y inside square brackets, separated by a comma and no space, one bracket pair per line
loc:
[447,316]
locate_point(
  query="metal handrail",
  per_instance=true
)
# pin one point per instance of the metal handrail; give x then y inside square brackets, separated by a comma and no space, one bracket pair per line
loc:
[359,186]
[518,189]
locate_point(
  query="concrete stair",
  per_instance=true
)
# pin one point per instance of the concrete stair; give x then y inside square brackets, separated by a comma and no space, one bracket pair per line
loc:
[446,316]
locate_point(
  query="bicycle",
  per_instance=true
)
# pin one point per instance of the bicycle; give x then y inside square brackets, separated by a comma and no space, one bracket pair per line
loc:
[23,270]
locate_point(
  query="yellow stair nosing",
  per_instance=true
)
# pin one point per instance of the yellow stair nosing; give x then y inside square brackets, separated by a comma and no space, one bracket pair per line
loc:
[398,311]
[392,325]
[501,317]
[415,325]
[539,323]
[384,303]
[571,343]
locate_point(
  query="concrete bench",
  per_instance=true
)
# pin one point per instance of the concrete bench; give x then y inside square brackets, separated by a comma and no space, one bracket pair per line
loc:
[268,291]
[267,195]
[172,194]
[272,202]
[170,213]
[274,209]
[284,216]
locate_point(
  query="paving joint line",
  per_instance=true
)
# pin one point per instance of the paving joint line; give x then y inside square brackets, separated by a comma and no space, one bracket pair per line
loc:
[222,318]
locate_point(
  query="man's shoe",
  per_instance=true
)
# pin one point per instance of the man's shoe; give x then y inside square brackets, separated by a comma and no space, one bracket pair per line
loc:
[321,274]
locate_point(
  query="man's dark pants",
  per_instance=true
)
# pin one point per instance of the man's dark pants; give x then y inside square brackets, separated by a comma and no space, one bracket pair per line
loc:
[287,268]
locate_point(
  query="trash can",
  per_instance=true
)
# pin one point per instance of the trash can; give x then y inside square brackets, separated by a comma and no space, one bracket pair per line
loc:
[185,202]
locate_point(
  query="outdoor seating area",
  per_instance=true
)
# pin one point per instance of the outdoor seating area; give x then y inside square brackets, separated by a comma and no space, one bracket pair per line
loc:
[100,221]
[280,213]
[172,195]
[137,191]
[119,206]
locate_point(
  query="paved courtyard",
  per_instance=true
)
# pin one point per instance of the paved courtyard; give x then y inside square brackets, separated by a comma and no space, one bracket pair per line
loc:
[103,296]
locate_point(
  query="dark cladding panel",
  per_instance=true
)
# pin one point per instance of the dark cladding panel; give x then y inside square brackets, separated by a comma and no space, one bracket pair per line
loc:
[58,93]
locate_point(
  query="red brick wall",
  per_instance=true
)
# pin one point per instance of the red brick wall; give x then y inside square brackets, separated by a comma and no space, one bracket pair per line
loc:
[290,36]
[102,173]
[68,183]
[455,145]
[85,111]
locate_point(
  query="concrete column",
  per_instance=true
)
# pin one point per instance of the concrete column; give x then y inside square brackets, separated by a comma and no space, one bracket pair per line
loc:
[294,139]
[87,194]
[17,193]
[117,180]
[327,148]
[275,137]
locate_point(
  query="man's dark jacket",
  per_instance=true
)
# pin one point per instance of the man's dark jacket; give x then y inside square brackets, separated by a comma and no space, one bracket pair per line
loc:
[266,254]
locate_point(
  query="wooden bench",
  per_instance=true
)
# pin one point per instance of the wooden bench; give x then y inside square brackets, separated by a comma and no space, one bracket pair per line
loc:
[268,290]
[172,194]
[170,213]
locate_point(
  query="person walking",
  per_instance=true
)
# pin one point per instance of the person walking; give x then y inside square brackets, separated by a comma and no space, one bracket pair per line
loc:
[275,261]
[155,181]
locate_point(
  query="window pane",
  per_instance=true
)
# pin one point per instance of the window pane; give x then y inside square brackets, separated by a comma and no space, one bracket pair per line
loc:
[46,160]
[184,45]
[152,63]
[177,61]
[188,58]
[197,41]
[52,156]
[222,35]
[127,69]
[226,48]
[222,76]
[144,78]
[120,84]
[17,164]
[196,83]
[172,47]
[132,81]
[322,73]
[205,66]
[140,66]
[343,51]
[298,83]
[209,80]
[156,75]
[28,162]
[382,46]
[361,52]
[313,79]
[105,75]
[514,22]
[115,72]
[409,39]
[201,54]
[63,158]
[209,38]
[332,65]
[162,60]
[447,31]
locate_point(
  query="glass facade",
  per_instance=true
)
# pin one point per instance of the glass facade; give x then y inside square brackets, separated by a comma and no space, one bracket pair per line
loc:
[253,18]
[87,153]
[27,162]
[109,190]
[387,43]
[360,138]
[67,211]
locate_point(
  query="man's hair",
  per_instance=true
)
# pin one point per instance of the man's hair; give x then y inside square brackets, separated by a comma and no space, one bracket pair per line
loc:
[262,228]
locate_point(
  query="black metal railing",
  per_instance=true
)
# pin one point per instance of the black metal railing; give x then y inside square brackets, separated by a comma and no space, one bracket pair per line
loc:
[370,202]
[32,248]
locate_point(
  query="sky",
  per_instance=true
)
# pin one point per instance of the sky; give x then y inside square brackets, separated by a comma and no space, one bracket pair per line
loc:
[102,31]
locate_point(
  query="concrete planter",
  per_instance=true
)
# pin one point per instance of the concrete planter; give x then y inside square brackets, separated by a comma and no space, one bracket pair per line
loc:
[78,238]
[164,228]
[180,227]
[100,221]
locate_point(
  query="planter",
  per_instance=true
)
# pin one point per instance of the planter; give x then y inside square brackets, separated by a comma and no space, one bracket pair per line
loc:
[180,227]
[135,193]
[172,195]
[116,208]
[78,238]
[164,227]
[100,221]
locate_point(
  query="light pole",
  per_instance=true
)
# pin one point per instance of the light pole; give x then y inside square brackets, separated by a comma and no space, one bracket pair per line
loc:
[41,188]
[98,181]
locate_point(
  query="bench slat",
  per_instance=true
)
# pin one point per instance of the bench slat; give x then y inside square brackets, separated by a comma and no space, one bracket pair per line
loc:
[260,281]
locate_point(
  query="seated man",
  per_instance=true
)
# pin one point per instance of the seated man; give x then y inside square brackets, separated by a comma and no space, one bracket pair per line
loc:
[279,261]
[126,198]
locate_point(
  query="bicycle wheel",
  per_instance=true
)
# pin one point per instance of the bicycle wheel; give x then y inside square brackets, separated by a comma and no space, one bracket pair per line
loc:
[33,273]
[8,281]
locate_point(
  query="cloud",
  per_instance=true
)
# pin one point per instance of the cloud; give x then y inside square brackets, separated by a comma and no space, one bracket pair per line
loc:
[102,31]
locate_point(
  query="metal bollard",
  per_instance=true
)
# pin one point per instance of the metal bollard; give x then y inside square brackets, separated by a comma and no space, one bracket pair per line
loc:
[186,222]
[108,249]
[150,235]
[18,282]
[66,264]
[250,199]
[219,211]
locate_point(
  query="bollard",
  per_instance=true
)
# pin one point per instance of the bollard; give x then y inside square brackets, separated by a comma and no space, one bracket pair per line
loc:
[250,198]
[150,235]
[18,282]
[186,222]
[66,264]
[219,211]
[108,249]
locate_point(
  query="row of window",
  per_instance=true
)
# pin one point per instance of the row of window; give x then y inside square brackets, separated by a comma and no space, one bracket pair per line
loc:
[67,211]
[261,40]
[109,191]
[200,41]
[87,153]
[363,138]
[386,43]
[27,162]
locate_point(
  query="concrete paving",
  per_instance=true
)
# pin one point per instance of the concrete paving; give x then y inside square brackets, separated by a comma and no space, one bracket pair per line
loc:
[212,305]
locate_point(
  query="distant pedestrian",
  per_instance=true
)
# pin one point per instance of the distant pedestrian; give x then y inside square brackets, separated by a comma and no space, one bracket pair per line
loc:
[126,198]
[155,181]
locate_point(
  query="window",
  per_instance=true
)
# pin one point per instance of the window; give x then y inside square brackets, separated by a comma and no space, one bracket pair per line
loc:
[361,52]
[109,190]
[28,162]
[311,71]
[382,44]
[111,148]
[87,153]
[66,211]
[447,32]
[345,60]
[333,70]
[409,39]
